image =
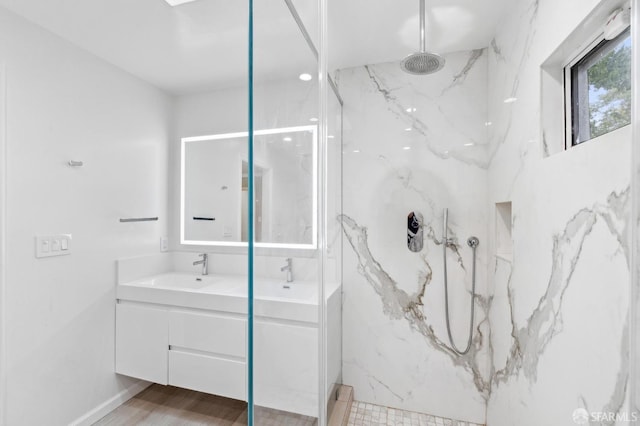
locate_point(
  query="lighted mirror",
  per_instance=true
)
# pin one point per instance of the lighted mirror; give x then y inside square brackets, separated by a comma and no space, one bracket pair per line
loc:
[214,188]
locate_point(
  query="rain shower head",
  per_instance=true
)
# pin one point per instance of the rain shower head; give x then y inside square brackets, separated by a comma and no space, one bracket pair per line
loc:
[423,62]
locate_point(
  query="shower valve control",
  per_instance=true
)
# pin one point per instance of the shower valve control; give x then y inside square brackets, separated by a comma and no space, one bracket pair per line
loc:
[415,237]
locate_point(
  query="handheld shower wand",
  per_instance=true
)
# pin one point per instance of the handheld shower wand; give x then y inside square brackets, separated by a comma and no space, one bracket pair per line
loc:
[472,242]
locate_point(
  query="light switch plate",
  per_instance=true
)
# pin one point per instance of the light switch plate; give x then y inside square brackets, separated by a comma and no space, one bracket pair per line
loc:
[164,244]
[53,245]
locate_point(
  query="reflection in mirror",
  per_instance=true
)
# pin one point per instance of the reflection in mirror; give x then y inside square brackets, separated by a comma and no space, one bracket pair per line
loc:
[214,188]
[258,174]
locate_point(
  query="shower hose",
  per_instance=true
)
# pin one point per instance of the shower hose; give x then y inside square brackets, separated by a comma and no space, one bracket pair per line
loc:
[473,243]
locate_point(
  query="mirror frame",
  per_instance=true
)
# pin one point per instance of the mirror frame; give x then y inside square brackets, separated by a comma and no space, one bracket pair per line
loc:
[314,238]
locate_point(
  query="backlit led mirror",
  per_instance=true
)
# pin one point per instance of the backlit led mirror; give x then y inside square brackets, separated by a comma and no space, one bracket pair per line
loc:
[214,188]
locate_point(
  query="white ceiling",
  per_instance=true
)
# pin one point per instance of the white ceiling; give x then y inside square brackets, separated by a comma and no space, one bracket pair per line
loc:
[203,45]
[388,30]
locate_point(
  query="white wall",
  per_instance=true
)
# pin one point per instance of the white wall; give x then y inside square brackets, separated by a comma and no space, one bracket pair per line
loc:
[63,104]
[559,311]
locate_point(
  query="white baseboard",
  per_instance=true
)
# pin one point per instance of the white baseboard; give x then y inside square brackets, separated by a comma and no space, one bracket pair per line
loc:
[111,404]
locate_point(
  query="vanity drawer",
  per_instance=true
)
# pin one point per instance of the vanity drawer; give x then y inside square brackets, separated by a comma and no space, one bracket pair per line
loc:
[207,374]
[212,333]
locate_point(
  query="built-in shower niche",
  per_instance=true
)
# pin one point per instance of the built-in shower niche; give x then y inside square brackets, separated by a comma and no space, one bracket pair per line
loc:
[504,240]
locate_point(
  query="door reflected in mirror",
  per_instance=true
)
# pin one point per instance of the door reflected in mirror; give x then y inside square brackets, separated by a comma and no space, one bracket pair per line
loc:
[258,191]
[215,183]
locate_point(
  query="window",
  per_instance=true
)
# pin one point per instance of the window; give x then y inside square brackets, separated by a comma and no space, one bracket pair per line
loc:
[598,89]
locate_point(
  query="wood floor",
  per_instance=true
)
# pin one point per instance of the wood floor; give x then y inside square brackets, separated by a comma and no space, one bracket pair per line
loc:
[170,406]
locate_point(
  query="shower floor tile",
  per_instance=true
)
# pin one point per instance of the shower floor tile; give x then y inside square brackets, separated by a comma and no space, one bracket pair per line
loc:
[365,414]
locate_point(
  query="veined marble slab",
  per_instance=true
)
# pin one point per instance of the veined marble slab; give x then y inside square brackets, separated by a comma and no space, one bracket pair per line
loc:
[550,334]
[414,144]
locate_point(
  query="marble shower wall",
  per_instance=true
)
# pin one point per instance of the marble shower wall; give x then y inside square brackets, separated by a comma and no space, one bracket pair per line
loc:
[415,144]
[558,307]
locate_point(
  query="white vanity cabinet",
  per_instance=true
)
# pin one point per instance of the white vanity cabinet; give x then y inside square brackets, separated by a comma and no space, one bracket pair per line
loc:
[142,341]
[191,331]
[192,349]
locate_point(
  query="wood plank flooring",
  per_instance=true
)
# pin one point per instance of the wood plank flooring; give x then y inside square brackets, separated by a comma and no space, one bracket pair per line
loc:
[170,406]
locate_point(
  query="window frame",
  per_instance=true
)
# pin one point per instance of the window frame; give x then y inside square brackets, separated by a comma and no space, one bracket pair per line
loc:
[583,55]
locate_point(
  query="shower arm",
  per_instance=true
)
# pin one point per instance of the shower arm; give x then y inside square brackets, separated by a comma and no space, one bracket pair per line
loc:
[423,48]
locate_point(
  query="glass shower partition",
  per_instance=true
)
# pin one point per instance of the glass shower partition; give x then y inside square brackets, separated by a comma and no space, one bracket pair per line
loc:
[332,267]
[285,329]
[295,199]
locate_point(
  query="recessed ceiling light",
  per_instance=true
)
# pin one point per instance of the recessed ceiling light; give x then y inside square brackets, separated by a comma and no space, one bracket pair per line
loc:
[305,77]
[178,2]
[287,139]
[469,144]
[356,151]
[411,110]
[408,129]
[330,136]
[313,119]
[488,123]
[406,148]
[510,100]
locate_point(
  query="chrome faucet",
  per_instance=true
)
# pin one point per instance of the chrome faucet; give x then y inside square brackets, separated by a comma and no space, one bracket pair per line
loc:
[204,262]
[289,269]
